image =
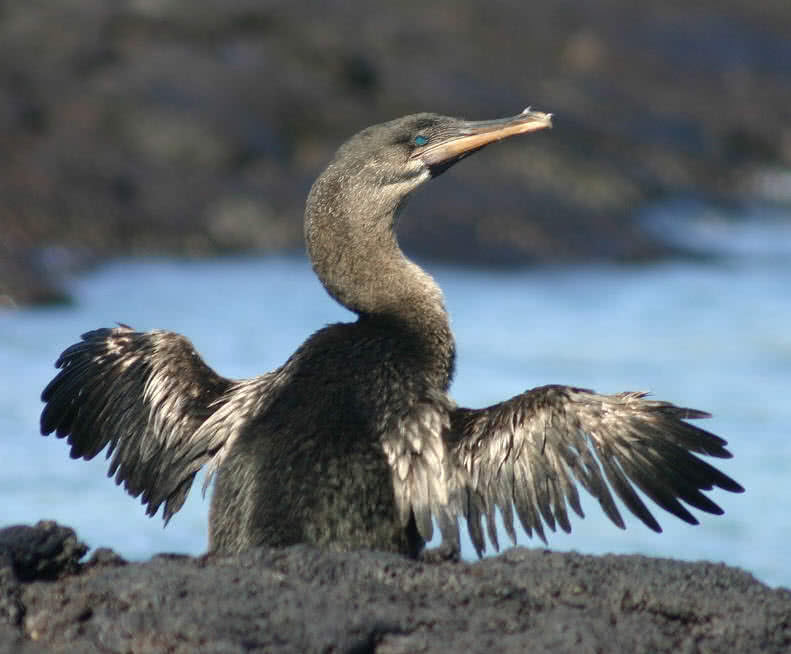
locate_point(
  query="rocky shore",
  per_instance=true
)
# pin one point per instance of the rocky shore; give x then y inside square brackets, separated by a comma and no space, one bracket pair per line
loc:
[170,127]
[301,599]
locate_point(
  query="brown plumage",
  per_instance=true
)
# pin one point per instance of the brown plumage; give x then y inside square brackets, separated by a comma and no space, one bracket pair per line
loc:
[354,441]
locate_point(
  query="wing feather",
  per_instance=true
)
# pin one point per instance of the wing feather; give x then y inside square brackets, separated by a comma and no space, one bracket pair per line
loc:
[532,450]
[474,511]
[143,396]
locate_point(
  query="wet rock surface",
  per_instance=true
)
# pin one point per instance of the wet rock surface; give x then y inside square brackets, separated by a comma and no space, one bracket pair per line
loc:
[301,599]
[171,127]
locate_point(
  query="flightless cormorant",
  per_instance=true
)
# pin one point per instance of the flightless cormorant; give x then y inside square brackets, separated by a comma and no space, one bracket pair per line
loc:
[354,441]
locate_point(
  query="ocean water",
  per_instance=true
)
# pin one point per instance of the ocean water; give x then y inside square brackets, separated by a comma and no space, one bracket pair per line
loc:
[712,334]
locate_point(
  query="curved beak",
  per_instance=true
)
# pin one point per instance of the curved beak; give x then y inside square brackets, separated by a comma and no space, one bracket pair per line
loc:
[466,137]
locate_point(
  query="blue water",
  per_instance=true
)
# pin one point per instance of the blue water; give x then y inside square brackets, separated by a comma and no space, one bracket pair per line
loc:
[712,335]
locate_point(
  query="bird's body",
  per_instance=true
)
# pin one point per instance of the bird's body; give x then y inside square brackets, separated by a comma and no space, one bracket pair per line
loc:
[334,485]
[354,441]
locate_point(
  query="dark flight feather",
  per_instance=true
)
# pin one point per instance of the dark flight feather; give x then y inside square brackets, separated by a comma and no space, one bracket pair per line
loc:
[144,397]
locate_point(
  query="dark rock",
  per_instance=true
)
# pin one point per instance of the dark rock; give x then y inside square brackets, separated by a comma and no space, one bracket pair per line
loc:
[301,599]
[104,556]
[44,551]
[22,282]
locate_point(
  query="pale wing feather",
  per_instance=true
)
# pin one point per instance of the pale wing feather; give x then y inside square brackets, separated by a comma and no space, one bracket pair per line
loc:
[144,396]
[530,451]
[424,482]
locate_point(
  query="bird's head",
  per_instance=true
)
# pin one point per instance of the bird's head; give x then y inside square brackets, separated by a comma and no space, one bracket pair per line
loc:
[399,155]
[352,207]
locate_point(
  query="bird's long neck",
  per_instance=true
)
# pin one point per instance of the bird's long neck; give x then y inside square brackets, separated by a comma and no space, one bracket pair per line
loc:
[355,253]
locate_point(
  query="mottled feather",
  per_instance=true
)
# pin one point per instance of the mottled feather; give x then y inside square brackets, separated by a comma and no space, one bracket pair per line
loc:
[144,396]
[530,450]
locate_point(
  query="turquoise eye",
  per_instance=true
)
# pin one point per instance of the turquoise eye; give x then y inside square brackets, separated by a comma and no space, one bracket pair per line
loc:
[421,140]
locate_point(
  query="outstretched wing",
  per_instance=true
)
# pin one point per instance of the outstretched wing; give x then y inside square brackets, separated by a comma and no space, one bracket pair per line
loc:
[144,394]
[530,451]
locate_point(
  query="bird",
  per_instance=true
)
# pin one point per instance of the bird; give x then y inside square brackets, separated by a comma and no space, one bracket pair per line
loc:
[354,442]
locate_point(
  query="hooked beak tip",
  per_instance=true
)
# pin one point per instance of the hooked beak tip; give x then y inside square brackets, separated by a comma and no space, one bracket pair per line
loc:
[474,135]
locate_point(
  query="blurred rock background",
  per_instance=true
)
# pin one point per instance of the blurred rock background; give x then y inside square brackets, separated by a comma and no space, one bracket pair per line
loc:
[166,126]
